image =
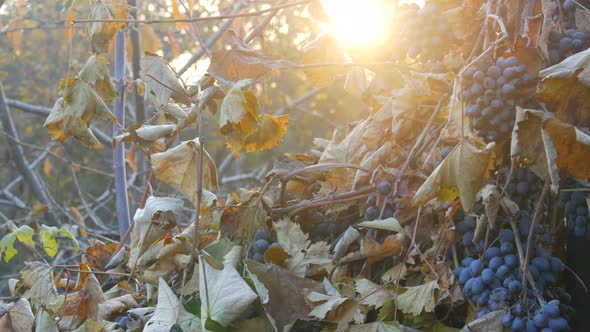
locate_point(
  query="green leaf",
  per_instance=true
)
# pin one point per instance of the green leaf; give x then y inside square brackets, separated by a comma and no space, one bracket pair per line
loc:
[25,235]
[69,235]
[47,236]
[7,247]
[214,326]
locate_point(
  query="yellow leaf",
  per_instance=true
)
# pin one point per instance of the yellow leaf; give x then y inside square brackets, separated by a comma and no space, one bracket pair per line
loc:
[460,174]
[47,237]
[7,247]
[178,167]
[243,127]
[25,235]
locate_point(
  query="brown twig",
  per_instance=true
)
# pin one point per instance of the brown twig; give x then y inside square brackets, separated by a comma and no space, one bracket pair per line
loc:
[195,19]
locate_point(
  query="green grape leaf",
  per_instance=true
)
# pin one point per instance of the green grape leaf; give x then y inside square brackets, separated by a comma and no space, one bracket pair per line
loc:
[25,235]
[69,235]
[7,247]
[47,236]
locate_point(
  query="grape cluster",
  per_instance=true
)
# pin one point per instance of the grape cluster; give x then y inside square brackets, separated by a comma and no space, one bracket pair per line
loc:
[376,200]
[547,318]
[523,185]
[575,210]
[491,92]
[426,35]
[261,245]
[465,225]
[562,45]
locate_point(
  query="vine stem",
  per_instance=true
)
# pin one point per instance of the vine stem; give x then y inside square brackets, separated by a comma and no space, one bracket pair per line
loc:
[529,240]
[119,151]
[197,109]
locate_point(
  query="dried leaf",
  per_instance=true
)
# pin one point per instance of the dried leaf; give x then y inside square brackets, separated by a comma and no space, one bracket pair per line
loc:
[101,33]
[348,238]
[491,322]
[565,147]
[280,293]
[224,296]
[379,326]
[38,279]
[376,252]
[420,298]
[161,82]
[156,219]
[491,201]
[565,88]
[372,293]
[240,62]
[178,167]
[460,174]
[71,114]
[17,316]
[170,312]
[387,224]
[243,127]
[327,307]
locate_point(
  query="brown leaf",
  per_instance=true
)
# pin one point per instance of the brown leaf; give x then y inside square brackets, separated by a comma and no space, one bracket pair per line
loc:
[565,87]
[101,33]
[16,317]
[178,167]
[460,174]
[280,293]
[157,218]
[99,254]
[240,62]
[565,147]
[375,252]
[161,81]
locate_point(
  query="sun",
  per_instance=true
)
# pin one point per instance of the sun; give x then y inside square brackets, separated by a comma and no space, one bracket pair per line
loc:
[359,24]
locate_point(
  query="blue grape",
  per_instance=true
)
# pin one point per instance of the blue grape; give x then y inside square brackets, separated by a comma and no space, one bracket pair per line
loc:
[487,275]
[260,246]
[506,235]
[464,276]
[372,200]
[475,267]
[551,310]
[540,320]
[507,320]
[541,263]
[260,235]
[495,263]
[511,260]
[517,324]
[558,324]
[506,247]
[384,188]
[515,287]
[258,257]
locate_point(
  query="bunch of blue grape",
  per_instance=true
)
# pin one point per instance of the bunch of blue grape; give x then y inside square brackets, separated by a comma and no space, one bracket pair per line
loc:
[425,34]
[523,186]
[375,202]
[562,45]
[465,225]
[494,278]
[261,245]
[548,318]
[491,92]
[575,211]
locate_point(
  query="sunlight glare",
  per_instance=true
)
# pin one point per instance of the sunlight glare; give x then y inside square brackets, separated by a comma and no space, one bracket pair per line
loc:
[358,23]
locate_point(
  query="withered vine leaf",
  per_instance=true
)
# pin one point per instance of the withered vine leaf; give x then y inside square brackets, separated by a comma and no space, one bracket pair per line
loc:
[224,294]
[241,125]
[17,316]
[161,82]
[101,33]
[240,62]
[565,148]
[416,299]
[170,312]
[70,116]
[178,167]
[460,174]
[154,220]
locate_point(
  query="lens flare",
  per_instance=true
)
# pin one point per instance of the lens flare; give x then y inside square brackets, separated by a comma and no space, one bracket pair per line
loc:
[358,23]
